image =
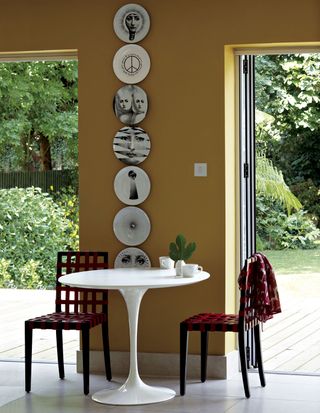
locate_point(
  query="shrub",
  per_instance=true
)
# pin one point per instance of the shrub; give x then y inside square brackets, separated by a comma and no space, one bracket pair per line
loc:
[309,196]
[33,228]
[5,278]
[67,198]
[299,231]
[277,230]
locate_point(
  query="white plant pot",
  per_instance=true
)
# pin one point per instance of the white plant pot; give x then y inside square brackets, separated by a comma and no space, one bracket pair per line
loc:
[179,265]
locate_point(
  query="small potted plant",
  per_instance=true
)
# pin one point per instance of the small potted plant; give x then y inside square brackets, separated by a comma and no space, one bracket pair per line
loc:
[180,251]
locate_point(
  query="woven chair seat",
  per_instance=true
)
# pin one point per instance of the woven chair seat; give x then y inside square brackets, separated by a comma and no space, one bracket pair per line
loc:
[67,321]
[212,322]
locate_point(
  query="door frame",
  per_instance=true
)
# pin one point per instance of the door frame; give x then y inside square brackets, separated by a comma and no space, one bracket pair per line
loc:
[232,162]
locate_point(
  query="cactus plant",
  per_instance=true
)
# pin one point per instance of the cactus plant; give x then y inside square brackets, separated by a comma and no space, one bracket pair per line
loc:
[180,250]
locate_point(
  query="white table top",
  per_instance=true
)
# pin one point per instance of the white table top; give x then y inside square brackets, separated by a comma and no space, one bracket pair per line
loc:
[119,278]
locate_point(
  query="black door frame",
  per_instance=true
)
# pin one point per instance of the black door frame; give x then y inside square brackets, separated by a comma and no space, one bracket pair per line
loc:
[247,172]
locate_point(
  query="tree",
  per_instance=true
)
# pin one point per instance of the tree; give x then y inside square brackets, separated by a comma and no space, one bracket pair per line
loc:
[288,101]
[38,115]
[288,88]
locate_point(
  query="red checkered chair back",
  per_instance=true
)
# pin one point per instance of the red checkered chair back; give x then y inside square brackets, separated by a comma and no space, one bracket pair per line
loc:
[80,300]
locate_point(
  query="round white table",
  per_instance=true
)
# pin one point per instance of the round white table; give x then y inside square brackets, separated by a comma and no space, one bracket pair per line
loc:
[132,283]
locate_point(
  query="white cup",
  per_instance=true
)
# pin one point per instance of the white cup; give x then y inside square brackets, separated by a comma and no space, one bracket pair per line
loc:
[166,263]
[190,270]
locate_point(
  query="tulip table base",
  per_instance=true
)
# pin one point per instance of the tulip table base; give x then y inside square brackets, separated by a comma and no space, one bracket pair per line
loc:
[130,394]
[134,390]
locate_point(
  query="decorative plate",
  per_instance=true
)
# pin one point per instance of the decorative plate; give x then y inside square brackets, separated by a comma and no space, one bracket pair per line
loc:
[131,23]
[131,63]
[132,185]
[130,104]
[131,226]
[131,145]
[132,258]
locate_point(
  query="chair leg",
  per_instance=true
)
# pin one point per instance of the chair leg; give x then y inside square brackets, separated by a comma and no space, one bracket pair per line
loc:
[183,357]
[243,362]
[85,359]
[204,353]
[106,350]
[259,354]
[59,339]
[28,355]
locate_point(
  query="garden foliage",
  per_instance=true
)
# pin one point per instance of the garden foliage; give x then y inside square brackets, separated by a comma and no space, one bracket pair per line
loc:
[288,127]
[33,228]
[278,230]
[38,115]
[288,146]
[38,132]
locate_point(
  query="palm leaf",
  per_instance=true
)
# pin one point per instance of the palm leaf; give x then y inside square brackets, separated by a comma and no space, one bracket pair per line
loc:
[270,182]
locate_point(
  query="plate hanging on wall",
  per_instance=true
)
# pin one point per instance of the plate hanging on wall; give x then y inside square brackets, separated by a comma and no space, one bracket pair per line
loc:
[132,258]
[132,185]
[130,104]
[131,63]
[131,23]
[131,226]
[131,145]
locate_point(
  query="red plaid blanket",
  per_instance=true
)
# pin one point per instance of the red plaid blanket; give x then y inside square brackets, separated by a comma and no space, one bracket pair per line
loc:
[265,297]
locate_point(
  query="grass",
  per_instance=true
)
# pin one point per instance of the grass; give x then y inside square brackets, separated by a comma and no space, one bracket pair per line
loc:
[294,261]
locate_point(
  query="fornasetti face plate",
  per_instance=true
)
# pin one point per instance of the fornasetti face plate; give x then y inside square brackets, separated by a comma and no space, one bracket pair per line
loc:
[131,23]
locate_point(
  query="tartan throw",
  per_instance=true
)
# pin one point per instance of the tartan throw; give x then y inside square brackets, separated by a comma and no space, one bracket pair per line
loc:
[265,299]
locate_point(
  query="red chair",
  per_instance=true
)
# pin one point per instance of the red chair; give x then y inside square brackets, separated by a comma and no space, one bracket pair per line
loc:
[254,307]
[76,309]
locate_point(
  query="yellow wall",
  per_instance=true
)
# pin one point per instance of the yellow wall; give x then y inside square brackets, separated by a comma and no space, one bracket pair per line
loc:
[186,124]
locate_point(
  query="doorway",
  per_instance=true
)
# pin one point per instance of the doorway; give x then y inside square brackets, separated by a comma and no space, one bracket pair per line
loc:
[279,169]
[38,190]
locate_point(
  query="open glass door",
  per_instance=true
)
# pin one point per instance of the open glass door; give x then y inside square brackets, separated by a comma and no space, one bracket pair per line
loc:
[247,171]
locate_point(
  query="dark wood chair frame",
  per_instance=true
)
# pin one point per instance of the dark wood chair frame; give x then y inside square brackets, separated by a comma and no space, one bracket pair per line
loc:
[90,308]
[244,321]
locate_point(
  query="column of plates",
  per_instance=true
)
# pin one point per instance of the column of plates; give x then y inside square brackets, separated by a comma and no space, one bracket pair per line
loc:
[131,144]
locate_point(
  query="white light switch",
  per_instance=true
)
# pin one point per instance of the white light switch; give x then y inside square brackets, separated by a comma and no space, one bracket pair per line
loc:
[200,169]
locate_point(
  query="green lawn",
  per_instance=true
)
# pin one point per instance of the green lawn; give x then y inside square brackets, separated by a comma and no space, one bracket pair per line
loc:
[294,261]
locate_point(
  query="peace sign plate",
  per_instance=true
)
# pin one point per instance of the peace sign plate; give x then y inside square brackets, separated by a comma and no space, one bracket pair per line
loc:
[131,63]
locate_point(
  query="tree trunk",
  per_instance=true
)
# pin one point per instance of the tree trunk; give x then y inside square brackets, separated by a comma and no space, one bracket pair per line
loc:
[45,153]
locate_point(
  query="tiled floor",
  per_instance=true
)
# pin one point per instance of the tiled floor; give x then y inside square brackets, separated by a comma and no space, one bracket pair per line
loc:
[294,394]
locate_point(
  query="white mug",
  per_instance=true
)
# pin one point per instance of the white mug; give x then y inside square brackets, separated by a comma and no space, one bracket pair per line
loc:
[189,270]
[166,263]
